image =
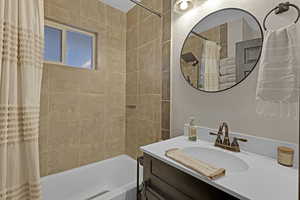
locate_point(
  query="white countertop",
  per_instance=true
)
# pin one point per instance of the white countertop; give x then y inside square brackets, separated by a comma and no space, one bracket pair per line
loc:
[264,180]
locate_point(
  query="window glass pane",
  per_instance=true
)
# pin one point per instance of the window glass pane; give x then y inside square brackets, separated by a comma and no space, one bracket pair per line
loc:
[52,44]
[79,50]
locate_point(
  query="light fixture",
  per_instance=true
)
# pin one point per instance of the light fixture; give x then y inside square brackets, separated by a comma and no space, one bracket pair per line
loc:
[183,5]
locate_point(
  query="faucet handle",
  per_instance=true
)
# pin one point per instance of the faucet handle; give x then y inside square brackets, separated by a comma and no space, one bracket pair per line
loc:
[240,139]
[236,139]
[235,143]
[216,134]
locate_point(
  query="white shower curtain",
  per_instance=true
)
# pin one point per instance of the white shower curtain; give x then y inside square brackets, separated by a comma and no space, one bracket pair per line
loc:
[21,57]
[211,60]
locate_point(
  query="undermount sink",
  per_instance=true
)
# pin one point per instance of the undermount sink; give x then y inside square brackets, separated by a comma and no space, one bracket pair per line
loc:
[217,158]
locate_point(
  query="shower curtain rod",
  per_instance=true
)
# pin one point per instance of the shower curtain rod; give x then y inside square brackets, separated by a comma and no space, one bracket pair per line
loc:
[200,36]
[148,9]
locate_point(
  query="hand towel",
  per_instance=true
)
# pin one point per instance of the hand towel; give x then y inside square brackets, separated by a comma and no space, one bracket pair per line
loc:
[226,85]
[201,167]
[227,78]
[278,85]
[229,69]
[227,61]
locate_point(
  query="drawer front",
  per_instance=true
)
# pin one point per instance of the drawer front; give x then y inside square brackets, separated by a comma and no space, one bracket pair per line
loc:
[150,196]
[158,190]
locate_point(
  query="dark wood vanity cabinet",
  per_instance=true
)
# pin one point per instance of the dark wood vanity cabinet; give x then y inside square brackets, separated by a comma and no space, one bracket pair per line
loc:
[164,182]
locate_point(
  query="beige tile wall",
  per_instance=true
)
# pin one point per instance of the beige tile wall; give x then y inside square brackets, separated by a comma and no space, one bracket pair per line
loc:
[83,111]
[165,70]
[147,75]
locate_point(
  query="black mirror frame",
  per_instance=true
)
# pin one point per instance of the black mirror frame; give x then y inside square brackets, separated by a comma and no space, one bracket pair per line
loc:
[254,66]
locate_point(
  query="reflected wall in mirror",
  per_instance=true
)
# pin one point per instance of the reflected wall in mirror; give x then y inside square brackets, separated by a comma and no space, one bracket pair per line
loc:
[221,50]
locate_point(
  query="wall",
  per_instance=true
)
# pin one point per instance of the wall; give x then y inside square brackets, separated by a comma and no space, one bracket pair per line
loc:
[83,111]
[147,75]
[166,69]
[237,105]
[240,30]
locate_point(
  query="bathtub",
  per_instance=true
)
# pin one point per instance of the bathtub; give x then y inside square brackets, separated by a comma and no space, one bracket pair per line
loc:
[112,179]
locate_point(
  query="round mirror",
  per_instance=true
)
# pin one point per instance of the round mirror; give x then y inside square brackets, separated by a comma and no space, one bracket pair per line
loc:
[221,50]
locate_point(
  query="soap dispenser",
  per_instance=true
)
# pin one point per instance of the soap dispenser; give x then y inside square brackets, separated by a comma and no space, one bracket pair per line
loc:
[192,130]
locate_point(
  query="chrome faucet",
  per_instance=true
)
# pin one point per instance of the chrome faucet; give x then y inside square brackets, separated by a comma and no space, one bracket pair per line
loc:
[225,144]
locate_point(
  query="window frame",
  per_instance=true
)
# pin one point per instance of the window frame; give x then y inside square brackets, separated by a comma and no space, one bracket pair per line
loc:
[64,45]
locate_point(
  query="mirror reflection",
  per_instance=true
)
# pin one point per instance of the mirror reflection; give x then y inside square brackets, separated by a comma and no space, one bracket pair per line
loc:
[221,50]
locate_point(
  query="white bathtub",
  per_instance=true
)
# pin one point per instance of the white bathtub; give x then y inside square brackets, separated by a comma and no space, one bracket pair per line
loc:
[112,179]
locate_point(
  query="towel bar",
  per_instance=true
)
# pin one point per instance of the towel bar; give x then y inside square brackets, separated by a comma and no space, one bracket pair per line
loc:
[281,8]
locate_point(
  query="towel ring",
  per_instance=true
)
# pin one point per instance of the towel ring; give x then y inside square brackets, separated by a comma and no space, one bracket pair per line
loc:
[281,8]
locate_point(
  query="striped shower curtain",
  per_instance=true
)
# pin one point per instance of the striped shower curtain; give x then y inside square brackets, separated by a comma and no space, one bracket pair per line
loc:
[21,57]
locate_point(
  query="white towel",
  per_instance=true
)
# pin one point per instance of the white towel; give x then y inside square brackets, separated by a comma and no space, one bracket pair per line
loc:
[229,69]
[227,61]
[224,86]
[227,78]
[278,85]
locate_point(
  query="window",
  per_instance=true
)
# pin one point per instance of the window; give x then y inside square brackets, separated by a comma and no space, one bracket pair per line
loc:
[53,38]
[69,46]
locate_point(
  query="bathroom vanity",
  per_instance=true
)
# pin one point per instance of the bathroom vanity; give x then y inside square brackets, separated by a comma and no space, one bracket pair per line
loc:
[249,176]
[164,182]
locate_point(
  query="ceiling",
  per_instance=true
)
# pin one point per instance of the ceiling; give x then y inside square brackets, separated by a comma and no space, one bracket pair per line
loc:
[123,5]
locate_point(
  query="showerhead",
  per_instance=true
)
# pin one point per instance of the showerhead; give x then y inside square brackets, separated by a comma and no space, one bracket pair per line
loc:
[189,57]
